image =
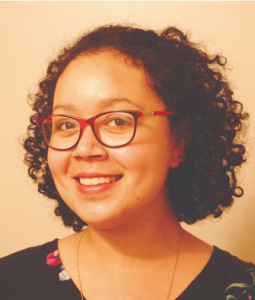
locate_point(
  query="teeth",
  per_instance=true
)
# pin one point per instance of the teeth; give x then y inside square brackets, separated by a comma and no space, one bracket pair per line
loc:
[101,180]
[94,181]
[97,180]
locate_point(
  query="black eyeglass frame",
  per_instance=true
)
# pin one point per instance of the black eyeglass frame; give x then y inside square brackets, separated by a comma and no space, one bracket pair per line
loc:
[83,122]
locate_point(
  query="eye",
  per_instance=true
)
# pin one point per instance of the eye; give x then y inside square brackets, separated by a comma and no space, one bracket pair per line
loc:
[118,122]
[64,124]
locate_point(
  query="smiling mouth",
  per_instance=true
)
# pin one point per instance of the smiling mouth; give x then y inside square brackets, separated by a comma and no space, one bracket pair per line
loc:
[98,180]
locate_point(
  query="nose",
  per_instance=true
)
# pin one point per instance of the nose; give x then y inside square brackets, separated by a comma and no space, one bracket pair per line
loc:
[88,146]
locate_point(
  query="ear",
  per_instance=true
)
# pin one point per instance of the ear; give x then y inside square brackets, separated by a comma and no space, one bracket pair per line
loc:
[180,139]
[177,153]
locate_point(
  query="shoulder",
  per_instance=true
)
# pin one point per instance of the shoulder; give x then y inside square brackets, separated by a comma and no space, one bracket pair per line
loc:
[232,266]
[27,257]
[24,270]
[238,276]
[223,276]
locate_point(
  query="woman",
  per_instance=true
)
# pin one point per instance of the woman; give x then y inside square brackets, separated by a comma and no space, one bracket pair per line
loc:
[133,132]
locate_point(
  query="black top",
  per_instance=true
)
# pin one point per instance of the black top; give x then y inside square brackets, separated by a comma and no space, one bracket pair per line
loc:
[37,273]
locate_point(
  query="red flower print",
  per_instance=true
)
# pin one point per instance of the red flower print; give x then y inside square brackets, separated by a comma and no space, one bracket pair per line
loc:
[53,259]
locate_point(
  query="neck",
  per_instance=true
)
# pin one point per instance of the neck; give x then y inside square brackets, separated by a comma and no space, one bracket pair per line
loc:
[153,237]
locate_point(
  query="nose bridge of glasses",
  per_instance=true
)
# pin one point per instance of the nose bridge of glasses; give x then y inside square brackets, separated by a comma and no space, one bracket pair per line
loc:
[84,124]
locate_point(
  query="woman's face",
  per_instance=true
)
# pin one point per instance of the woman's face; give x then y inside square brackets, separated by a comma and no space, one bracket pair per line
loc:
[91,85]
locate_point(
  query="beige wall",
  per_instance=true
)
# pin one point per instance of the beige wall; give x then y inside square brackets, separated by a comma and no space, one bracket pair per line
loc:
[32,32]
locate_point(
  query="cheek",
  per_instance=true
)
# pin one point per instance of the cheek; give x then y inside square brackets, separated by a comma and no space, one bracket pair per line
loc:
[57,162]
[145,156]
[146,168]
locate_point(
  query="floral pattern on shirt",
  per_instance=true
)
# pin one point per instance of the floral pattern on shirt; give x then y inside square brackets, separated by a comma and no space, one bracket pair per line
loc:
[54,260]
[241,290]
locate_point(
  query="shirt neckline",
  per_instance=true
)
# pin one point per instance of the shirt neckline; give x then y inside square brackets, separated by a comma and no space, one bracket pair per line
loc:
[187,290]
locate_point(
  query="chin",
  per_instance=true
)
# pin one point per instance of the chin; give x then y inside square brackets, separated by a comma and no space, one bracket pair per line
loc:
[103,221]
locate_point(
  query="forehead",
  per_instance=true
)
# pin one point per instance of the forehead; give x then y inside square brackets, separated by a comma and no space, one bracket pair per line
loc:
[93,78]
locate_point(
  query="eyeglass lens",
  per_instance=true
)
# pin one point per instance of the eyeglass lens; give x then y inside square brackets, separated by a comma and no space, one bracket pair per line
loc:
[112,129]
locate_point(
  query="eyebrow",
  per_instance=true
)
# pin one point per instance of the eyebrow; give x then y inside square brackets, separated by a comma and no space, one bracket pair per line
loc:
[105,103]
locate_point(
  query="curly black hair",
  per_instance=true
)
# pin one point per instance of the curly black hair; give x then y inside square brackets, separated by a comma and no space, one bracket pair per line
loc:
[187,79]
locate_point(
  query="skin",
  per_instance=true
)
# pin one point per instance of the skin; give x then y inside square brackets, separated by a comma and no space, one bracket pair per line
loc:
[87,84]
[133,232]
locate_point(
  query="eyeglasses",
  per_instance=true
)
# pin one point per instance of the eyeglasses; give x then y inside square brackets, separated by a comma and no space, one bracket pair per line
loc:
[112,129]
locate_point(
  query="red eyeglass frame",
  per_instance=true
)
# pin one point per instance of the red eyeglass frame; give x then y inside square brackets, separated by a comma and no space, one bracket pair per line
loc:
[83,122]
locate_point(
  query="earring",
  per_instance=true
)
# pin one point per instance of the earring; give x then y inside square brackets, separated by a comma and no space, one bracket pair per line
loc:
[75,221]
[77,226]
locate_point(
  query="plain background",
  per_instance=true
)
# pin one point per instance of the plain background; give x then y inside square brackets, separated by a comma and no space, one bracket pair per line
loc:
[31,34]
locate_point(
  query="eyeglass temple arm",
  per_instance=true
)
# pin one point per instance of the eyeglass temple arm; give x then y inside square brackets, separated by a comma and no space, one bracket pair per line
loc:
[159,113]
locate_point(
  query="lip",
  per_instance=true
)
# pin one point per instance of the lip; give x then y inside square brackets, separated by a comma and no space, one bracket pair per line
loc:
[94,189]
